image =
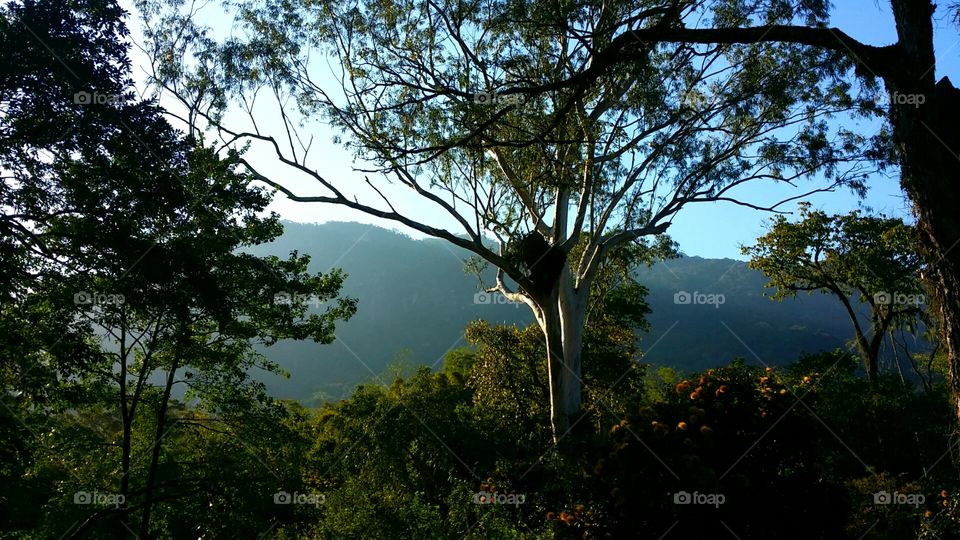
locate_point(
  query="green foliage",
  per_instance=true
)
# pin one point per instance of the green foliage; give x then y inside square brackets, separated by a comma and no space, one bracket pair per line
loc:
[158,224]
[401,450]
[509,378]
[140,290]
[871,259]
[850,254]
[800,450]
[458,363]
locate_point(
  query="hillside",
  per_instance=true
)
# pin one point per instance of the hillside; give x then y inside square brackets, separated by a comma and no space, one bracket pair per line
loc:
[415,300]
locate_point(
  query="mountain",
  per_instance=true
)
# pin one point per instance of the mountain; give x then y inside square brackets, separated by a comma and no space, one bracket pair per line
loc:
[415,300]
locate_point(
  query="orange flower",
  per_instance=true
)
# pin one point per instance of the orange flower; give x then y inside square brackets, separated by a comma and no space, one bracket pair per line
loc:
[928,514]
[682,426]
[806,379]
[551,516]
[944,494]
[694,395]
[722,389]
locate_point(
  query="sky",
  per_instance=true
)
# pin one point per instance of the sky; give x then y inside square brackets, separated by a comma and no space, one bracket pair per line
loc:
[714,230]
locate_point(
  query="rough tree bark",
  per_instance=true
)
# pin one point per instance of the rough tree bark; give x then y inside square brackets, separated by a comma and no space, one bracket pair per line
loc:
[928,141]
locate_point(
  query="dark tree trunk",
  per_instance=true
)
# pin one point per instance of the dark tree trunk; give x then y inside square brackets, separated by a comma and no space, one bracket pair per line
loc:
[127,421]
[927,137]
[869,348]
[158,437]
[869,355]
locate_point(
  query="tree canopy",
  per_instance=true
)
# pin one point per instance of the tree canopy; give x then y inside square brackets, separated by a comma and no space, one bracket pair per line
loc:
[133,315]
[468,105]
[861,260]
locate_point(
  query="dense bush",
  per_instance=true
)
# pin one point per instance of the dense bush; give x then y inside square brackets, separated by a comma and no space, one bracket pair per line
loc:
[777,452]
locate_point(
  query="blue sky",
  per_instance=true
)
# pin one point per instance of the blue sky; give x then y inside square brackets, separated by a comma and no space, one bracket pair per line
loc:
[714,230]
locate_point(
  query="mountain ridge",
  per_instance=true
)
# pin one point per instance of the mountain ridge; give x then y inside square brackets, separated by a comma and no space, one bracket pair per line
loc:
[414,300]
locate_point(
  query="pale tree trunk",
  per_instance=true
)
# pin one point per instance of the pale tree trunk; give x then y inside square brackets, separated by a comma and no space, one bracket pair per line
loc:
[573,309]
[561,317]
[549,320]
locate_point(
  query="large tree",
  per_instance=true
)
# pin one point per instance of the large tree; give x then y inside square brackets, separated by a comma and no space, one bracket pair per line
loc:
[57,57]
[170,301]
[123,265]
[467,104]
[923,112]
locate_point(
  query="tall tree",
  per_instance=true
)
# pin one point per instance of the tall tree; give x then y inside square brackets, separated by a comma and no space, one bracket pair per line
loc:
[869,260]
[923,112]
[178,295]
[59,58]
[436,97]
[124,244]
